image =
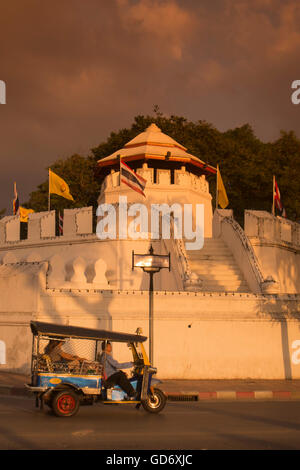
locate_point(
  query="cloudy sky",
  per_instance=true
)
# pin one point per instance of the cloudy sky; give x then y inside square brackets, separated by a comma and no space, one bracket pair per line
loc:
[75,70]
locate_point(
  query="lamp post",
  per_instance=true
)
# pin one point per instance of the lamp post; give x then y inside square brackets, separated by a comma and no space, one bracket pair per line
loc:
[151,264]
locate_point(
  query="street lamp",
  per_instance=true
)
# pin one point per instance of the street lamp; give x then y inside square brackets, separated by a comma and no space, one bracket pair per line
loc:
[151,264]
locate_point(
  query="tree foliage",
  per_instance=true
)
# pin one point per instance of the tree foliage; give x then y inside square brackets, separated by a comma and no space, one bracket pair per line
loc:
[246,163]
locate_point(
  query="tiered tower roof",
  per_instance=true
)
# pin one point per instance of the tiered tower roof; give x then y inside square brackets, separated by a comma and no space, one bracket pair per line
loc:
[151,145]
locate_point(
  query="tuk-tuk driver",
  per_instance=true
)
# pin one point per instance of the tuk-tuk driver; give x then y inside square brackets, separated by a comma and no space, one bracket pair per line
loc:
[112,373]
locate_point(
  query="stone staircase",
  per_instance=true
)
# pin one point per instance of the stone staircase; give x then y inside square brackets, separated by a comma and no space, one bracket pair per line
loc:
[216,267]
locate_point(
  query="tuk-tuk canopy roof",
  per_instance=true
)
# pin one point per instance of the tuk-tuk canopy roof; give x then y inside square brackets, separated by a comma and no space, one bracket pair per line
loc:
[66,331]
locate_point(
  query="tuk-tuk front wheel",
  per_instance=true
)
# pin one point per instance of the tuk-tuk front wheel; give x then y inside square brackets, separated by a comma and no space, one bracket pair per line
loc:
[155,402]
[65,403]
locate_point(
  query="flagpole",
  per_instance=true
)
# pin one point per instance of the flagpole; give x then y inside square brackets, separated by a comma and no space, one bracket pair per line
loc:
[273,205]
[217,188]
[48,189]
[119,156]
[15,192]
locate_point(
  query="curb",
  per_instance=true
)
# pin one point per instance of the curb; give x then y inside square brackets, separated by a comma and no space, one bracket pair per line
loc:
[192,396]
[234,395]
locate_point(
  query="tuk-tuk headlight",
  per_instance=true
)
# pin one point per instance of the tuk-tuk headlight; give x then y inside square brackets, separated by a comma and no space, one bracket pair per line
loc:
[152,370]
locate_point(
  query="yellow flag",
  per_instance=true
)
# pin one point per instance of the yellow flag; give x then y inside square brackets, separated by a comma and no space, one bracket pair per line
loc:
[24,213]
[221,192]
[58,186]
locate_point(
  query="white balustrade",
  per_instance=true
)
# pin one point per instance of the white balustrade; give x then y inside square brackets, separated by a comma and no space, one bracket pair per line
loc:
[57,272]
[79,267]
[262,224]
[100,270]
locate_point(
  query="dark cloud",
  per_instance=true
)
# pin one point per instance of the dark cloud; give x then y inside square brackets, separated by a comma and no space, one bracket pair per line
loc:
[77,70]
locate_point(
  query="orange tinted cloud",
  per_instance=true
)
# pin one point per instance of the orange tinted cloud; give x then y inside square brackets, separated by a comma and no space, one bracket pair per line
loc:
[163,22]
[74,74]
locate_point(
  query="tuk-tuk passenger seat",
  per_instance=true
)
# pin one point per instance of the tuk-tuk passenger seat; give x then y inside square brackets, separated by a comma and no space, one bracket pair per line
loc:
[46,362]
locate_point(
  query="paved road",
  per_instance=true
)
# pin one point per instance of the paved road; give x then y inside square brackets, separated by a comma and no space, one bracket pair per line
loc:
[187,425]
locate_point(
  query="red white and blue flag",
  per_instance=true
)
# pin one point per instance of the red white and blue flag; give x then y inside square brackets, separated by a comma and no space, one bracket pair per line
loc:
[129,177]
[278,200]
[16,203]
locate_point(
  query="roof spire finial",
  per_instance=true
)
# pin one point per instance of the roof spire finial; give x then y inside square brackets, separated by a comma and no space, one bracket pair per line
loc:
[153,128]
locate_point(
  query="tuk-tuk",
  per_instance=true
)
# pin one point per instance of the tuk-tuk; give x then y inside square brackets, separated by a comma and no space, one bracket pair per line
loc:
[64,386]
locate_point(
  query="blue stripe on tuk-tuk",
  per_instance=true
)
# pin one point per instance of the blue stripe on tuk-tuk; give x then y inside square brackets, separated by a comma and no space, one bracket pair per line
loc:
[52,380]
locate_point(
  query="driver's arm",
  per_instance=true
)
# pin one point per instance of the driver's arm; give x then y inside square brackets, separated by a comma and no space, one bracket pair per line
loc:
[118,365]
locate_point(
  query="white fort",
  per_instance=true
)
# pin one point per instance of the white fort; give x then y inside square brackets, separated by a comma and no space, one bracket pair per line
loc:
[228,310]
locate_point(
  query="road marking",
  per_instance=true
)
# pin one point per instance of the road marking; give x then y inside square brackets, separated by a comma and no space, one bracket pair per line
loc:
[227,395]
[263,394]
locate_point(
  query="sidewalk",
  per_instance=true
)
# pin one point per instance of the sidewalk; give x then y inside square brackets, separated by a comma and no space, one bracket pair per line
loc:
[191,390]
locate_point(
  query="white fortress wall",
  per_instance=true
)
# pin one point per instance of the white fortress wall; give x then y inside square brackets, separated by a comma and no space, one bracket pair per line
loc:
[78,279]
[196,335]
[276,243]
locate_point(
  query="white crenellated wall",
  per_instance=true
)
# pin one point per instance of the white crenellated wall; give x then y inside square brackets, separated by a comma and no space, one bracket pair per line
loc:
[276,243]
[78,221]
[10,229]
[41,225]
[78,258]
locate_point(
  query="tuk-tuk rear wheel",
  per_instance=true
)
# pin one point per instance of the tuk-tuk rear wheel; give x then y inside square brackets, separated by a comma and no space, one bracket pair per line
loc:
[65,403]
[155,402]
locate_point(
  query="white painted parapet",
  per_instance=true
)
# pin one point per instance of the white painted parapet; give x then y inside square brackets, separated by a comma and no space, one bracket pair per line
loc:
[146,173]
[10,229]
[276,242]
[185,278]
[41,225]
[262,224]
[198,183]
[187,188]
[78,221]
[64,274]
